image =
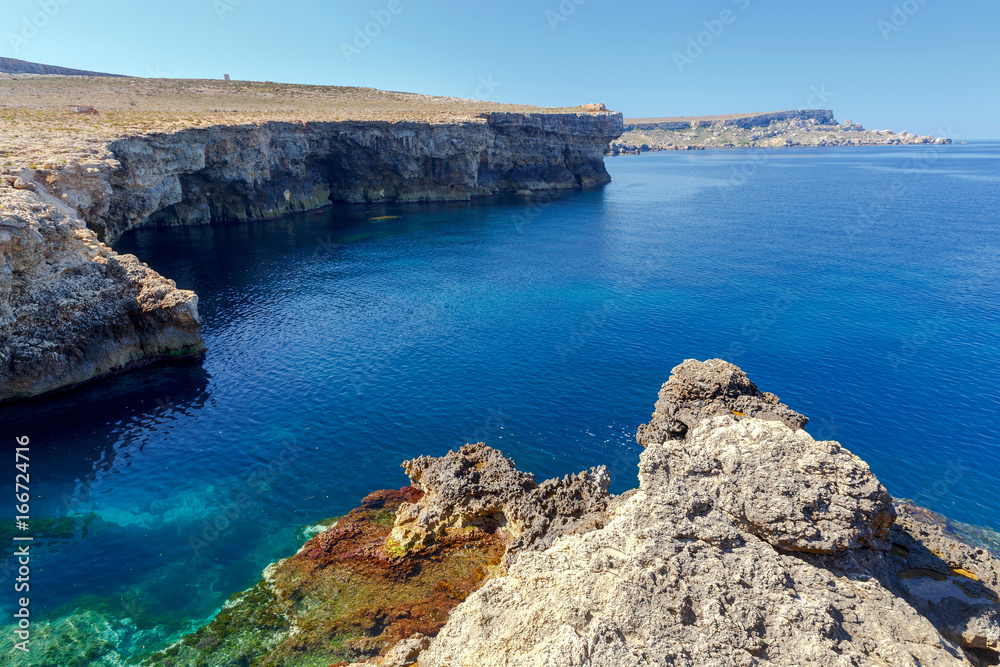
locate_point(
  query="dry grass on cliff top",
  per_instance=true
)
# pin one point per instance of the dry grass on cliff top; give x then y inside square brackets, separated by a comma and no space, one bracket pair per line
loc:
[141,105]
[36,123]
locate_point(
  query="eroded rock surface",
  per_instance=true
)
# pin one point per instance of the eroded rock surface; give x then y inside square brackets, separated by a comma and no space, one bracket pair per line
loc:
[478,487]
[699,390]
[72,309]
[747,543]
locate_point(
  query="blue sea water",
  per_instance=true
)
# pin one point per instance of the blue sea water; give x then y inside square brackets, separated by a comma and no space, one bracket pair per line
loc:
[861,285]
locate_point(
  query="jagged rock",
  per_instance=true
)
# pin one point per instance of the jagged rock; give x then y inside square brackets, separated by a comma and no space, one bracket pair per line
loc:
[698,390]
[710,563]
[21,184]
[477,486]
[746,543]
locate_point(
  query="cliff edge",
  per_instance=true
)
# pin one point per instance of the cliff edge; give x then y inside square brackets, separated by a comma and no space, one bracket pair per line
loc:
[72,309]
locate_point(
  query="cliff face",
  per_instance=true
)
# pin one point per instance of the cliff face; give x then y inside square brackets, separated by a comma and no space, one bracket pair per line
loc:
[266,170]
[83,311]
[15,66]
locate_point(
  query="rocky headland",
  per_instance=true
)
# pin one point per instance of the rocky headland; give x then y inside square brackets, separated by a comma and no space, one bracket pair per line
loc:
[84,159]
[778,129]
[747,542]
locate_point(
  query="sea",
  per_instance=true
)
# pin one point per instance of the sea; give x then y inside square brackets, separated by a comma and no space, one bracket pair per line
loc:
[861,285]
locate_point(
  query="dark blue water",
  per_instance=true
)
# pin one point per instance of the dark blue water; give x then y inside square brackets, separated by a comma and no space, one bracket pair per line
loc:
[861,285]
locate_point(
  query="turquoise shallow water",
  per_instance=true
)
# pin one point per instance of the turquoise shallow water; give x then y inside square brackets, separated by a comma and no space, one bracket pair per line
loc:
[860,285]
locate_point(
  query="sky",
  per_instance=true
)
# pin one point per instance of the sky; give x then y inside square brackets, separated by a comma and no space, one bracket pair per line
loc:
[925,66]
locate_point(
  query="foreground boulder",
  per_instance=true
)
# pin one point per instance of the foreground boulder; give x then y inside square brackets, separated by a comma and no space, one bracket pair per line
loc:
[747,543]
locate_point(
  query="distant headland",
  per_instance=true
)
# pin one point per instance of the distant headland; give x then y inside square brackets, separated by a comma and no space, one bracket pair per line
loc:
[773,129]
[15,66]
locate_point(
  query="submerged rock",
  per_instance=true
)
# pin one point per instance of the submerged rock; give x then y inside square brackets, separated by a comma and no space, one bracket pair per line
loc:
[344,596]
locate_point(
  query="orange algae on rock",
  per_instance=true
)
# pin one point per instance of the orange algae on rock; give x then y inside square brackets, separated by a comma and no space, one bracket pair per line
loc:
[344,597]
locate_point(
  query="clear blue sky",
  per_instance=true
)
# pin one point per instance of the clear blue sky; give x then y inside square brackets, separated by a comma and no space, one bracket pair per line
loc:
[930,67]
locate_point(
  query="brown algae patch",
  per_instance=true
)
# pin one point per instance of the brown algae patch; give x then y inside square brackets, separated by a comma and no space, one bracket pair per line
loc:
[344,596]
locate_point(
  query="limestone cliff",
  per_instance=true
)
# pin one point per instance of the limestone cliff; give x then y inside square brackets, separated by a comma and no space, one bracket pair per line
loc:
[158,152]
[810,127]
[257,171]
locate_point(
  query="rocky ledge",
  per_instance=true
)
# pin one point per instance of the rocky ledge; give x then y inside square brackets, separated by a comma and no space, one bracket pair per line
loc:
[747,542]
[157,152]
[770,130]
[72,309]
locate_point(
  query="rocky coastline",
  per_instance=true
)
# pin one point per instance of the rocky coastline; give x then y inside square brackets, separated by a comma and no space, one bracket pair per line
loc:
[747,542]
[155,152]
[782,129]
